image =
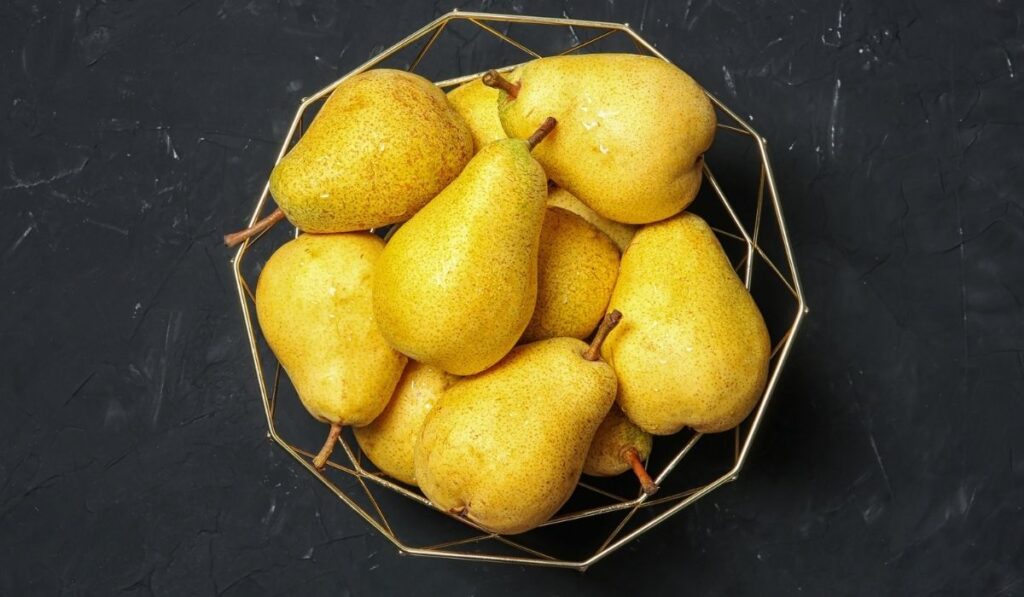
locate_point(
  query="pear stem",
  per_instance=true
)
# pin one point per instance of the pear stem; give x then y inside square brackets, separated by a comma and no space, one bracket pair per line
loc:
[320,461]
[593,352]
[542,131]
[237,238]
[646,482]
[493,78]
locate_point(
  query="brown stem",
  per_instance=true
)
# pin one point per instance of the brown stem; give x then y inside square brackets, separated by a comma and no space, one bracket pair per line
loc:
[610,321]
[237,238]
[320,461]
[545,127]
[493,78]
[646,482]
[459,511]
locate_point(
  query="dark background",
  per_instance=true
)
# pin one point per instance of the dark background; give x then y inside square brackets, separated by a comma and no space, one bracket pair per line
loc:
[133,134]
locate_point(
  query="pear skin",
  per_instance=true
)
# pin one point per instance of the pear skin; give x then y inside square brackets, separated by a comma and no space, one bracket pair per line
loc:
[620,234]
[632,130]
[618,446]
[457,284]
[576,270]
[505,448]
[384,144]
[478,106]
[695,350]
[390,440]
[314,305]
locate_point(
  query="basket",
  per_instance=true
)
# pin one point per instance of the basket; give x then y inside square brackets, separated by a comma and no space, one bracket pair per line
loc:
[604,514]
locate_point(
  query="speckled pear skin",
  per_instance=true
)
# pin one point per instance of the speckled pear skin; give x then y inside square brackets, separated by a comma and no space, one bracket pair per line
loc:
[631,131]
[616,434]
[456,284]
[576,270]
[508,445]
[383,144]
[390,440]
[620,234]
[478,106]
[314,307]
[694,350]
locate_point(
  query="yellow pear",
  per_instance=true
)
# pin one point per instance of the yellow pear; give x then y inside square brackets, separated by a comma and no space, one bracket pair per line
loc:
[457,283]
[618,446]
[632,134]
[384,144]
[478,106]
[576,270]
[390,440]
[314,305]
[620,234]
[505,448]
[695,350]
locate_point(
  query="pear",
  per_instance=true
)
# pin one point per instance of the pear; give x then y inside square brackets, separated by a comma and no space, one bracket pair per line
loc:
[505,448]
[457,283]
[478,106]
[314,305]
[619,445]
[384,144]
[390,440]
[695,350]
[620,234]
[576,270]
[632,134]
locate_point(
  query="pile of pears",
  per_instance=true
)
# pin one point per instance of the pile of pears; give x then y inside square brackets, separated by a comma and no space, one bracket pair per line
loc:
[543,304]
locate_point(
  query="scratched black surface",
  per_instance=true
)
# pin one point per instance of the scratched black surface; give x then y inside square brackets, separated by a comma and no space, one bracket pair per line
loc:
[133,455]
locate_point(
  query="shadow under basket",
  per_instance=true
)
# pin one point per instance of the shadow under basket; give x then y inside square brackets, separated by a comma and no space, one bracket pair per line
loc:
[603,514]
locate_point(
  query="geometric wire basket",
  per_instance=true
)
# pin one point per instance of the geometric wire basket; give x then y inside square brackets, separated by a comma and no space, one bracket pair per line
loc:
[604,514]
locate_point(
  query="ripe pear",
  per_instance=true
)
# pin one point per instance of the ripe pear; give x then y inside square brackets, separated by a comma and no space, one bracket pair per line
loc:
[619,445]
[314,305]
[384,144]
[390,440]
[632,134]
[505,448]
[576,270]
[695,350]
[620,234]
[457,283]
[478,106]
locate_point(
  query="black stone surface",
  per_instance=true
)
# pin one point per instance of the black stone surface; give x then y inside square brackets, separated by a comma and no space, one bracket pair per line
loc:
[134,461]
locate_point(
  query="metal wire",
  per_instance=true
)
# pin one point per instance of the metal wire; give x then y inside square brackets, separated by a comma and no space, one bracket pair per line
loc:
[469,548]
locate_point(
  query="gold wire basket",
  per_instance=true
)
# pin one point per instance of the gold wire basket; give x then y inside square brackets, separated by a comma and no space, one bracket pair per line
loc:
[604,514]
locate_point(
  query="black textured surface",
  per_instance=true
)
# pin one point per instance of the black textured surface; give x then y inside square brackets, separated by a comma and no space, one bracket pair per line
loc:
[133,134]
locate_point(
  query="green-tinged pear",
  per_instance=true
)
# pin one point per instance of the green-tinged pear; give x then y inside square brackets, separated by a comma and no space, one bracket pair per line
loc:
[618,446]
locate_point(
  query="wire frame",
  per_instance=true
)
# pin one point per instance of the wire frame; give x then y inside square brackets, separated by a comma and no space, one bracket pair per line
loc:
[753,230]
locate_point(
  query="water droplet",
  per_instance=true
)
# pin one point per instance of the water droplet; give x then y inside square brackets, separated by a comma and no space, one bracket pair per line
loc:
[589,124]
[603,149]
